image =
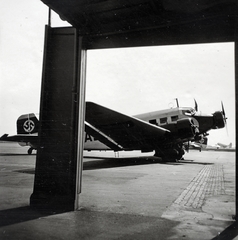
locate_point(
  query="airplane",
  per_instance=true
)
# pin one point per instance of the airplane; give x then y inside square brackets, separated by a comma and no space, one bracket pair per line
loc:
[221,145]
[164,132]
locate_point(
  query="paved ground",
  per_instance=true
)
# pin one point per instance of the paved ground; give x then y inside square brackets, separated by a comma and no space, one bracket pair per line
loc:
[127,197]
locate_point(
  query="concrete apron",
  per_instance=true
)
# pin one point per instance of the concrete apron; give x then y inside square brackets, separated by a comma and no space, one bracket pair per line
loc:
[206,207]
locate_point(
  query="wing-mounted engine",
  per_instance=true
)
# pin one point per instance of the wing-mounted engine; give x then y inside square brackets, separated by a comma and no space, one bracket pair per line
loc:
[187,128]
[184,129]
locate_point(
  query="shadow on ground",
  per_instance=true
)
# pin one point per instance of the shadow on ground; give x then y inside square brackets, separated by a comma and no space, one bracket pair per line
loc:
[229,233]
[84,224]
[99,163]
[23,214]
[103,163]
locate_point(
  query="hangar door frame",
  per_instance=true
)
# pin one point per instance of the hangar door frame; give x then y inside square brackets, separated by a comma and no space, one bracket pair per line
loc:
[44,183]
[61,128]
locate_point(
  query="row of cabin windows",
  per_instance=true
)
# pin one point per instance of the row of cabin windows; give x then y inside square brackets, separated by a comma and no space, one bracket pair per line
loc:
[163,120]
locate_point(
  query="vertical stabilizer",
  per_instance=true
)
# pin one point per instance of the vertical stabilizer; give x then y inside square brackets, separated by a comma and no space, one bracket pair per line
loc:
[27,124]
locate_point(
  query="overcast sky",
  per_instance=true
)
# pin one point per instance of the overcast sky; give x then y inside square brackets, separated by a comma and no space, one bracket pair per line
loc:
[131,81]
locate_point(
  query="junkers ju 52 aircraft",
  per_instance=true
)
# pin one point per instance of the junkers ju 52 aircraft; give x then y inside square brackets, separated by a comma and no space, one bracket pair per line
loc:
[166,132]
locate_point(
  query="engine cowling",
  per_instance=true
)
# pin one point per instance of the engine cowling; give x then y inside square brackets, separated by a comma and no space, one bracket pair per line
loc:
[187,128]
[218,119]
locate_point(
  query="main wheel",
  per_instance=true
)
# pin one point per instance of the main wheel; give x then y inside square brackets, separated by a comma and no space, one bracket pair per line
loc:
[30,151]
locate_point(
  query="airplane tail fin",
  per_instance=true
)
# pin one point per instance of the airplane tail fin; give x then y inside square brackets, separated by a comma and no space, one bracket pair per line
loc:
[27,124]
[230,145]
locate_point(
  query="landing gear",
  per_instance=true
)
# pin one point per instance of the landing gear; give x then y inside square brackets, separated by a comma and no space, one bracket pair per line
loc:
[181,152]
[172,154]
[30,151]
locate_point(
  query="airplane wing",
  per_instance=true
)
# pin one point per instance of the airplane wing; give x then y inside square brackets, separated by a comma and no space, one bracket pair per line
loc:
[128,132]
[19,138]
[102,137]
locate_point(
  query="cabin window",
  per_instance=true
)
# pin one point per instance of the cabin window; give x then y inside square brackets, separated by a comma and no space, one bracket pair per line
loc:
[174,118]
[153,121]
[163,120]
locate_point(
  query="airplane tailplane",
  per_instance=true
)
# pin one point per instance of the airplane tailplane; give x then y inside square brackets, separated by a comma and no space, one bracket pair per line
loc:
[27,124]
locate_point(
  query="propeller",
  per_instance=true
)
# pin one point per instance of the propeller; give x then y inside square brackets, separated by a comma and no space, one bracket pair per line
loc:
[224,116]
[196,105]
[223,111]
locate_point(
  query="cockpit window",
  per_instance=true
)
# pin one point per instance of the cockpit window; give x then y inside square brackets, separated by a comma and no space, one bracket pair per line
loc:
[189,112]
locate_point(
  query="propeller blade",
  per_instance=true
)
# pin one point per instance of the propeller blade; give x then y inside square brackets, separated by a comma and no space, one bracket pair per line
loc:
[223,112]
[196,105]
[224,116]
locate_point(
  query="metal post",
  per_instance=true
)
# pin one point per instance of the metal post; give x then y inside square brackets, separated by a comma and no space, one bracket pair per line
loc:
[236,107]
[81,100]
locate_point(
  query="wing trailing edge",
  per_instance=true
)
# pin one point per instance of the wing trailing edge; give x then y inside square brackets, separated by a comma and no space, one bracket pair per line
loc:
[102,137]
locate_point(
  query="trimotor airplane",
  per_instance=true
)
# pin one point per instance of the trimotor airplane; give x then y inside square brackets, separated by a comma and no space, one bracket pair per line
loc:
[165,132]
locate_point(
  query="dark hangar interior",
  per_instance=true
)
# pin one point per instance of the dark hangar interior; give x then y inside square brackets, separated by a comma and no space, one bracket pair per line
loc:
[123,23]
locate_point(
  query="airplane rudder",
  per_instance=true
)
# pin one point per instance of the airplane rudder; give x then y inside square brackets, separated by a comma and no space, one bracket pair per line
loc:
[27,124]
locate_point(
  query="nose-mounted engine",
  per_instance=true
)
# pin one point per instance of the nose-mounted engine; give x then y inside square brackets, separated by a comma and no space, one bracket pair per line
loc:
[219,120]
[213,121]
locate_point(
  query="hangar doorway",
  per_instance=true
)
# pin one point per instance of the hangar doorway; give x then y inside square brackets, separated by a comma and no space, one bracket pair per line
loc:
[138,80]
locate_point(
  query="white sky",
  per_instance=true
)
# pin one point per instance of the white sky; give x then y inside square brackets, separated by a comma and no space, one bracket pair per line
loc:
[131,81]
